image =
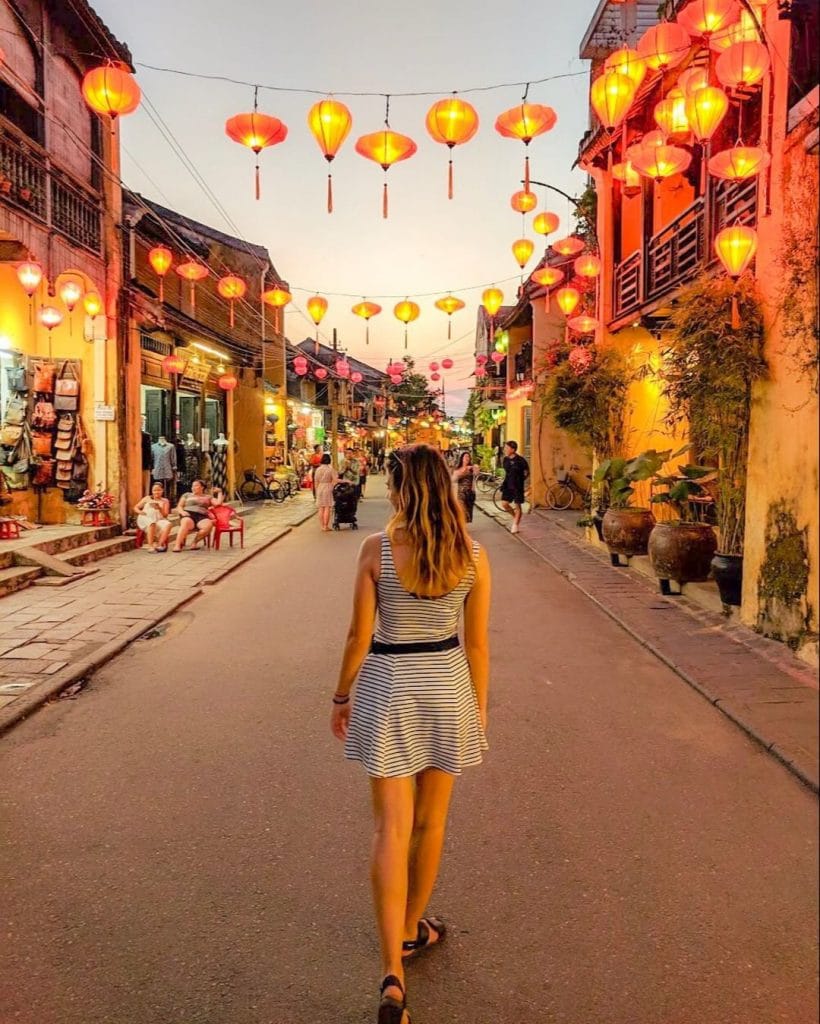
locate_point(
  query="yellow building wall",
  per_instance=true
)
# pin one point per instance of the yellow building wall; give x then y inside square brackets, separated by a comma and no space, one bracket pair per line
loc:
[246,418]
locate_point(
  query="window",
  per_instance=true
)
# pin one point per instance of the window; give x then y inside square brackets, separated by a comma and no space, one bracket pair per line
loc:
[20,94]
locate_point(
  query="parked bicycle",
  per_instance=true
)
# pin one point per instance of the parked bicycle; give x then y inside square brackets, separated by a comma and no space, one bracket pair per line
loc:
[488,482]
[255,488]
[562,494]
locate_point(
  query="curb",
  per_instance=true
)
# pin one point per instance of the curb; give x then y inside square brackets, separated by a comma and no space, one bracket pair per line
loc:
[770,746]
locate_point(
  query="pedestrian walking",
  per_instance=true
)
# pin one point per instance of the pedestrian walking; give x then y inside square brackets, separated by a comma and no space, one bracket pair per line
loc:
[420,711]
[516,474]
[325,478]
[380,461]
[464,478]
[363,471]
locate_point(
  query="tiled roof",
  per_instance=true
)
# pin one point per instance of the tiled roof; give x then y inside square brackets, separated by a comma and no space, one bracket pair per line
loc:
[327,357]
[617,24]
[80,17]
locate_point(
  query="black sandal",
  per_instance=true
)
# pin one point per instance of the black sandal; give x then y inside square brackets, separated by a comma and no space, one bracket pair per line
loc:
[391,1011]
[424,939]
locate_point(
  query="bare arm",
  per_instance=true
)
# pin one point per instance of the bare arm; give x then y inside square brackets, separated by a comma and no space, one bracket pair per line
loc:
[140,505]
[476,632]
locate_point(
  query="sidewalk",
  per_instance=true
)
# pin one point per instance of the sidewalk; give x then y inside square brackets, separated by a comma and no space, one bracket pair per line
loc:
[756,682]
[51,637]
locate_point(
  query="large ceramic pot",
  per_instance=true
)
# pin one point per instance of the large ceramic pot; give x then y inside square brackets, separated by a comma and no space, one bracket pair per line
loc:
[682,552]
[626,531]
[728,573]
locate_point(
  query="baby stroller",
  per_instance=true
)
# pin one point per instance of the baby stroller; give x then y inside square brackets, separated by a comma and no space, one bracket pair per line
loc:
[345,502]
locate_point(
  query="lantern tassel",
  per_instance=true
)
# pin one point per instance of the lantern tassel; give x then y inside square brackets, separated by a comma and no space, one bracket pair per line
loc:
[161,290]
[193,296]
[367,332]
[527,171]
[258,181]
[547,301]
[450,180]
[449,329]
[736,322]
[384,202]
[231,316]
[330,193]
[405,336]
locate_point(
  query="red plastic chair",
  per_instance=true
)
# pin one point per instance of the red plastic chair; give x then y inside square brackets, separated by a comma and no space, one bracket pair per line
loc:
[227,521]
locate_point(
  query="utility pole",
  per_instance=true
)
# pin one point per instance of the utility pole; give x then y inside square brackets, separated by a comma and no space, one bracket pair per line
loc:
[335,383]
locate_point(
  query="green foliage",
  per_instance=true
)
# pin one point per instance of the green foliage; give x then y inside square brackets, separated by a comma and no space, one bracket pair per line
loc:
[586,214]
[411,397]
[471,413]
[485,454]
[618,475]
[798,279]
[681,487]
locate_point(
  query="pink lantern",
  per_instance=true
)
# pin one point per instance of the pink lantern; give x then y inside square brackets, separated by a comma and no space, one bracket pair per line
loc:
[498,357]
[481,371]
[395,369]
[481,360]
[395,378]
[356,377]
[300,369]
[343,367]
[320,373]
[433,366]
[447,364]
[435,376]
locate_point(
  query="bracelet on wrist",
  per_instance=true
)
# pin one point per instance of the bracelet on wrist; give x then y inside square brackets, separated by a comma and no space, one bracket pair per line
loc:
[341,698]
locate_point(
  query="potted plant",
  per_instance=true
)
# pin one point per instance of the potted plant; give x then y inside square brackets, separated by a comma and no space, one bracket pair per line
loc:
[626,528]
[6,184]
[682,549]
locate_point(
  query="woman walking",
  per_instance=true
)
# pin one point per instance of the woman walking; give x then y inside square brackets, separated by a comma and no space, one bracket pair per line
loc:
[420,710]
[464,477]
[325,478]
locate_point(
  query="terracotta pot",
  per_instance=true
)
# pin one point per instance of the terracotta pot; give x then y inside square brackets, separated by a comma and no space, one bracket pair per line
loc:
[728,573]
[626,531]
[682,552]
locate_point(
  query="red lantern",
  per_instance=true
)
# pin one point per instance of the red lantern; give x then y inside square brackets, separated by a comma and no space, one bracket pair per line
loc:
[523,202]
[231,288]
[228,381]
[366,310]
[583,324]
[192,271]
[161,259]
[385,148]
[173,364]
[447,364]
[435,376]
[320,373]
[481,359]
[395,378]
[498,357]
[545,223]
[330,123]
[257,132]
[587,265]
[743,65]
[451,122]
[743,31]
[627,62]
[705,17]
[111,90]
[342,367]
[433,366]
[396,368]
[481,371]
[661,162]
[693,78]
[547,277]
[664,46]
[569,246]
[356,377]
[524,122]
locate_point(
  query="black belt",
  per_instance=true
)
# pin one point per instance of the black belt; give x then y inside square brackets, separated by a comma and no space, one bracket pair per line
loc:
[421,647]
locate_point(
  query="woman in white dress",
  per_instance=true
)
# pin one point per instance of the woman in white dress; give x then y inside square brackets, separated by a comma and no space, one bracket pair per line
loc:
[420,710]
[152,518]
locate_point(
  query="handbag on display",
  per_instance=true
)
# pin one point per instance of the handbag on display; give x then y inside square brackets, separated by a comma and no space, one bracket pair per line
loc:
[67,383]
[43,474]
[10,434]
[65,423]
[63,442]
[16,378]
[79,473]
[15,410]
[15,481]
[64,455]
[44,415]
[44,373]
[65,403]
[41,444]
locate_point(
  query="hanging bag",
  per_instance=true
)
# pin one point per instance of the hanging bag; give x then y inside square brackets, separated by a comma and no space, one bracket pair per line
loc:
[44,373]
[10,434]
[64,442]
[41,444]
[44,416]
[16,377]
[15,410]
[44,474]
[65,424]
[68,384]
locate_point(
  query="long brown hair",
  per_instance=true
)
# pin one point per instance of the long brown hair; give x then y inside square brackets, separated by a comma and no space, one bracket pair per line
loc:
[430,517]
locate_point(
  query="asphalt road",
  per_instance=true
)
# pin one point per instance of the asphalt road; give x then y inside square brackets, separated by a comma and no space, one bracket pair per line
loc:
[184,843]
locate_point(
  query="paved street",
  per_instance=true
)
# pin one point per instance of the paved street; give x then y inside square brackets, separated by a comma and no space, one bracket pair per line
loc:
[184,843]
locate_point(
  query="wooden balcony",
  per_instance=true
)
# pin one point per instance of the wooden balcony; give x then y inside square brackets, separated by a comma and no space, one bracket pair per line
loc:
[31,183]
[681,249]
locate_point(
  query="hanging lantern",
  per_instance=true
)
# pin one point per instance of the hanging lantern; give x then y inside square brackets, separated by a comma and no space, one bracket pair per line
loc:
[670,115]
[628,176]
[705,17]
[30,274]
[481,359]
[705,110]
[228,381]
[317,307]
[447,364]
[649,140]
[745,30]
[394,369]
[661,162]
[192,271]
[435,377]
[356,377]
[583,324]
[161,259]
[664,46]
[395,378]
[587,265]
[70,291]
[524,122]
[342,367]
[385,148]
[580,359]
[492,299]
[481,371]
[407,312]
[449,305]
[300,367]
[736,247]
[567,299]
[50,317]
[92,304]
[627,62]
[231,288]
[611,96]
[545,223]
[366,310]
[329,122]
[111,90]
[173,364]
[277,297]
[523,202]
[257,132]
[522,250]
[743,65]
[498,358]
[320,373]
[433,367]
[569,246]
[547,277]
[739,163]
[451,122]
[694,78]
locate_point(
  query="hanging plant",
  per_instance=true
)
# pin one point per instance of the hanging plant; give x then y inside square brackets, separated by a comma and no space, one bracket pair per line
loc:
[798,277]
[709,369]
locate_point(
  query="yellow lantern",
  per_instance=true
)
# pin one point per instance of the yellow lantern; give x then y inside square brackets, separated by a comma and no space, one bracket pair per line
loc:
[611,97]
[366,310]
[627,62]
[661,162]
[736,247]
[492,299]
[670,115]
[545,223]
[449,305]
[451,122]
[92,303]
[407,312]
[547,277]
[277,297]
[583,324]
[693,78]
[232,288]
[524,122]
[111,90]
[705,109]
[568,299]
[317,307]
[329,122]
[628,176]
[739,163]
[746,30]
[522,250]
[569,246]
[386,148]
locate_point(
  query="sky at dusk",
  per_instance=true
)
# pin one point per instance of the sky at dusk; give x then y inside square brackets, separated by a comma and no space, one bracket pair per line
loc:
[428,244]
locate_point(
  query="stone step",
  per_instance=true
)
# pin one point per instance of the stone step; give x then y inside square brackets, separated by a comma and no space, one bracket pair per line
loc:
[81,537]
[101,549]
[17,577]
[6,558]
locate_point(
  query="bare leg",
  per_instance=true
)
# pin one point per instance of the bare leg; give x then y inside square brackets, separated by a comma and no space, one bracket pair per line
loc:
[164,535]
[433,791]
[517,511]
[151,534]
[186,524]
[393,813]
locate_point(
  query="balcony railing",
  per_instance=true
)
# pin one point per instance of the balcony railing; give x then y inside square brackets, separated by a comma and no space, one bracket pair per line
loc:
[681,249]
[30,183]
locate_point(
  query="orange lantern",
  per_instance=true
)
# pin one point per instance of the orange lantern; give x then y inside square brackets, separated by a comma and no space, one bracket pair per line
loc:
[524,122]
[611,97]
[705,109]
[587,265]
[739,163]
[111,90]
[173,364]
[522,250]
[743,65]
[451,122]
[670,115]
[567,299]
[92,304]
[627,62]
[746,30]
[366,310]
[628,176]
[569,246]
[523,202]
[449,305]
[583,324]
[385,148]
[257,132]
[664,46]
[547,277]
[329,122]
[192,271]
[647,141]
[228,381]
[693,78]
[277,297]
[705,17]
[736,247]
[50,317]
[545,223]
[231,288]
[161,259]
[407,312]
[661,162]
[30,274]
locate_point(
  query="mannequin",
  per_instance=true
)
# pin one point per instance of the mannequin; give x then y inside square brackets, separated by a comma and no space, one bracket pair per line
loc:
[193,468]
[163,462]
[219,461]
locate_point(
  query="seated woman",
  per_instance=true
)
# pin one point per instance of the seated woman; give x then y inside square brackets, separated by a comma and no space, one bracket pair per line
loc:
[193,512]
[152,518]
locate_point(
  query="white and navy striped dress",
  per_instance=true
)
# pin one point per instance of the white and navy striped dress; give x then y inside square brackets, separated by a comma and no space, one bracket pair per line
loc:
[415,711]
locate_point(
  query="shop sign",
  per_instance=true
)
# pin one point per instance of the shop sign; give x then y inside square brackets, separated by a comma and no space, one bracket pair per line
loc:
[104,413]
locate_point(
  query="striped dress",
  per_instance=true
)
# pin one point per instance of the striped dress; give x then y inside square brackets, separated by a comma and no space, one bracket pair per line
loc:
[415,711]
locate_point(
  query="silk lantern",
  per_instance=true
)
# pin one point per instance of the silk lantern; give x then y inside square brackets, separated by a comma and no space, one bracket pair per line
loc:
[449,305]
[746,30]
[50,317]
[661,162]
[705,17]
[70,291]
[736,247]
[111,90]
[407,312]
[92,304]
[583,324]
[567,299]
[317,307]
[30,274]
[342,367]
[629,178]
[525,122]
[664,46]
[498,358]
[277,297]
[385,148]
[523,202]
[547,277]
[587,265]
[257,132]
[743,65]
[356,377]
[693,78]
[435,377]
[228,381]
[611,96]
[705,110]
[491,300]
[366,310]
[569,246]
[329,122]
[670,115]
[627,62]
[481,359]
[522,251]
[161,259]
[451,122]
[173,363]
[447,364]
[739,163]
[395,379]
[320,373]
[231,287]
[192,271]
[545,223]
[433,367]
